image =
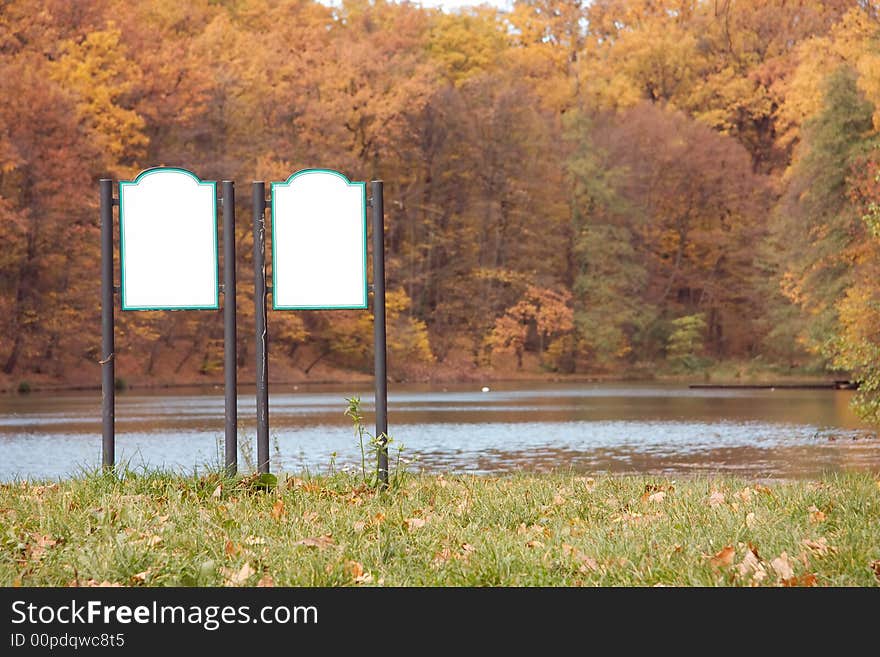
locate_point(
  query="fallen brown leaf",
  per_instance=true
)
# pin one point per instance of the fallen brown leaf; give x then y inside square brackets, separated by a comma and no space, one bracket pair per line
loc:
[724,557]
[231,549]
[266,581]
[414,523]
[467,547]
[140,578]
[310,516]
[441,557]
[816,515]
[587,564]
[38,546]
[278,511]
[218,492]
[105,584]
[875,567]
[359,526]
[751,520]
[320,542]
[819,546]
[716,498]
[558,500]
[751,565]
[745,495]
[357,572]
[534,544]
[238,577]
[782,566]
[807,579]
[657,497]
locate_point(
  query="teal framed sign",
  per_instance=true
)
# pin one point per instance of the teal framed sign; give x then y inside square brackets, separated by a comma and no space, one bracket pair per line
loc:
[168,241]
[319,242]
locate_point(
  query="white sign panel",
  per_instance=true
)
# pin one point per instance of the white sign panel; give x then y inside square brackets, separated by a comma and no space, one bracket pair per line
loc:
[319,242]
[168,241]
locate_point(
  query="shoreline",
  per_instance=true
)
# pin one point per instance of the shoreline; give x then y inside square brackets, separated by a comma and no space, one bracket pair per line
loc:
[783,381]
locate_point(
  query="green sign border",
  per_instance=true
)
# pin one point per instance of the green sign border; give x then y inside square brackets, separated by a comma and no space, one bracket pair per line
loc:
[363,186]
[135,182]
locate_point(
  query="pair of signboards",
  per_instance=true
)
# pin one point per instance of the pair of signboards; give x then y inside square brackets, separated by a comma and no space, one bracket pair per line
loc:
[168,242]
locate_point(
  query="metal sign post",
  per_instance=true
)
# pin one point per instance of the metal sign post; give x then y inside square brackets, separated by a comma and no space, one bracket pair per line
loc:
[260,316]
[319,262]
[230,337]
[158,273]
[379,346]
[108,357]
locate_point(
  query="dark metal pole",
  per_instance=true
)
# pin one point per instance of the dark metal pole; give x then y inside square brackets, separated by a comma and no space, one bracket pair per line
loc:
[379,328]
[230,347]
[259,203]
[108,365]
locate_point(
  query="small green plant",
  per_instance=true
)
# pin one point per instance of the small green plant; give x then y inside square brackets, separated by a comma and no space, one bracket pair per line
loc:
[120,384]
[24,388]
[368,442]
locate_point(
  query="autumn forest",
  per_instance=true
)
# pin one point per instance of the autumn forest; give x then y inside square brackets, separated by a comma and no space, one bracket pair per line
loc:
[572,187]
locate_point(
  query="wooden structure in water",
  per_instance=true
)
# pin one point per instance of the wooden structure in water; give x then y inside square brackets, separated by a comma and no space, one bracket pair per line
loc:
[831,385]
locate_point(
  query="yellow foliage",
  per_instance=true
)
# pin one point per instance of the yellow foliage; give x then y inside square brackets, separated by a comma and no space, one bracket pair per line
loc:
[100,72]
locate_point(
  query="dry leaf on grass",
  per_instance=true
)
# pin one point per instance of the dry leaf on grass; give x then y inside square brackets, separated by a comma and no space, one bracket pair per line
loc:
[875,567]
[140,578]
[782,566]
[534,544]
[558,500]
[238,577]
[751,520]
[751,565]
[278,511]
[38,546]
[357,573]
[587,564]
[816,515]
[310,516]
[745,495]
[414,523]
[807,579]
[656,497]
[359,526]
[320,542]
[716,498]
[96,584]
[441,557]
[724,557]
[231,549]
[266,581]
[819,546]
[217,492]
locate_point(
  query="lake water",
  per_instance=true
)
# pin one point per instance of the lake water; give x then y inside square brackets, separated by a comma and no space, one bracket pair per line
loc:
[590,428]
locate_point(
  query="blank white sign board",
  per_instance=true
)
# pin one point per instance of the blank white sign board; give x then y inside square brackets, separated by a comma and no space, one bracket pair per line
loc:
[168,241]
[319,242]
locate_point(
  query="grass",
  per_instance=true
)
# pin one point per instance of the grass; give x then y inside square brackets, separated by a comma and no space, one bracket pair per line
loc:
[159,529]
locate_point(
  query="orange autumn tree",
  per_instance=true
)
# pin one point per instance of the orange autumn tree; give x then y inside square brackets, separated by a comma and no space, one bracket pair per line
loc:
[541,316]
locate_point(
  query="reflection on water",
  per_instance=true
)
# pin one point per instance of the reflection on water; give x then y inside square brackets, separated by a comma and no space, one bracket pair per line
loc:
[587,428]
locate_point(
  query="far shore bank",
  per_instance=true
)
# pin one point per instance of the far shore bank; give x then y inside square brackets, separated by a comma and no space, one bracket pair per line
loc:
[697,378]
